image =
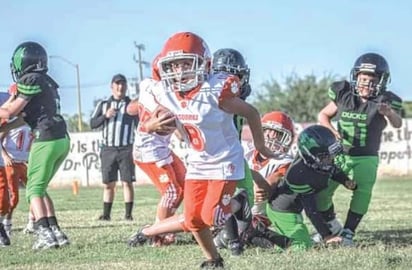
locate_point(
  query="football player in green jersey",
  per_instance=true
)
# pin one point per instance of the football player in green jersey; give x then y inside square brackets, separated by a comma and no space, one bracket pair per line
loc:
[38,102]
[363,107]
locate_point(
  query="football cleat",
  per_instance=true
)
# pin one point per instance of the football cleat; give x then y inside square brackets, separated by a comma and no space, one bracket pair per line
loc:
[347,238]
[7,228]
[128,217]
[29,229]
[104,218]
[235,247]
[45,239]
[61,238]
[137,239]
[213,264]
[4,238]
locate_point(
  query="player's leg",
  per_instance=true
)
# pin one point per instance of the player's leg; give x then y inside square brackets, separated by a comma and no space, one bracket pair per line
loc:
[292,226]
[364,173]
[40,174]
[4,207]
[229,236]
[213,200]
[168,178]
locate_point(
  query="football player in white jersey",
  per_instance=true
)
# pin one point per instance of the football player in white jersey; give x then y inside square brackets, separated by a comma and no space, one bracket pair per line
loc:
[279,133]
[15,144]
[151,153]
[15,152]
[205,106]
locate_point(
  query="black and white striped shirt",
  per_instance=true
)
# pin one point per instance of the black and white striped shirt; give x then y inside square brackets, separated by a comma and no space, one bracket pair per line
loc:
[119,130]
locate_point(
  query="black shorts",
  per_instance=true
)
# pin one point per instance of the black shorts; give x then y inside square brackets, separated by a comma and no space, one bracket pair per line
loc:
[117,159]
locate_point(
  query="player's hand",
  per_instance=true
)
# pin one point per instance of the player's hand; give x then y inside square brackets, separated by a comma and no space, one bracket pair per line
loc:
[384,109]
[267,153]
[260,194]
[350,184]
[332,240]
[161,123]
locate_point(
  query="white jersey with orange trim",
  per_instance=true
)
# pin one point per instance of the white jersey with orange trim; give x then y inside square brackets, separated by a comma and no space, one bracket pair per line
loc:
[18,142]
[266,167]
[149,147]
[215,151]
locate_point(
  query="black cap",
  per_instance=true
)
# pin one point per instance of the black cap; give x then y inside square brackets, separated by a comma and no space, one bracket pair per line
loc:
[118,78]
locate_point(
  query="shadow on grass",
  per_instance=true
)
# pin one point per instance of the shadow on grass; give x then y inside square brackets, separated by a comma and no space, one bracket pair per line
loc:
[389,238]
[87,227]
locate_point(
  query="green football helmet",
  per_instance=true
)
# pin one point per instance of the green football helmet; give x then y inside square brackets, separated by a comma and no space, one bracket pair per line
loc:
[318,147]
[28,57]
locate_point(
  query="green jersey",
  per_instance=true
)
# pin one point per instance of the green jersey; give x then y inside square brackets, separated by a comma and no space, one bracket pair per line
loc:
[359,123]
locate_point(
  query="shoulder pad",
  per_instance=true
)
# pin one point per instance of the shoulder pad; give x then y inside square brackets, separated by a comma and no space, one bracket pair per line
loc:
[337,89]
[29,84]
[146,83]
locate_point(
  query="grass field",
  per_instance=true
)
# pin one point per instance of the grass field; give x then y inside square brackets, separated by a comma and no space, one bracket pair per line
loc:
[384,237]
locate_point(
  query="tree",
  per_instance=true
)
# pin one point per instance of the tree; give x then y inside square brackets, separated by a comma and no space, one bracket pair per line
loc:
[301,98]
[73,123]
[407,107]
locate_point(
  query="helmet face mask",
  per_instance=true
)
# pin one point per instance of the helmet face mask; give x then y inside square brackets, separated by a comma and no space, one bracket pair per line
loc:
[371,64]
[278,131]
[318,147]
[28,57]
[184,62]
[182,71]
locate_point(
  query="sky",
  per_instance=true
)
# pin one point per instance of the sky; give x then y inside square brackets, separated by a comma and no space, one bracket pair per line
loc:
[277,38]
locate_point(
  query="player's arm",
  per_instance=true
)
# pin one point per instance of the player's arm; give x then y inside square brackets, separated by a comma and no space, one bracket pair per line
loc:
[391,107]
[133,107]
[394,119]
[325,116]
[17,122]
[309,204]
[330,110]
[339,176]
[261,187]
[237,106]
[13,108]
[28,86]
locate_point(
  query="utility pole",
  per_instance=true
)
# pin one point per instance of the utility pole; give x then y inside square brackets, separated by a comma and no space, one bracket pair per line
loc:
[79,104]
[138,60]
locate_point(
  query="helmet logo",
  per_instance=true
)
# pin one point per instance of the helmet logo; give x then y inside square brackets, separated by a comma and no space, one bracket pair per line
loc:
[366,67]
[18,58]
[174,53]
[234,87]
[308,142]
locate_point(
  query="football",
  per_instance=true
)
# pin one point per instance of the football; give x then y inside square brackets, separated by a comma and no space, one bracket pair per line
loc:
[164,112]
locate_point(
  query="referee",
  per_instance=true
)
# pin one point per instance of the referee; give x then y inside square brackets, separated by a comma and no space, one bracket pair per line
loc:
[116,151]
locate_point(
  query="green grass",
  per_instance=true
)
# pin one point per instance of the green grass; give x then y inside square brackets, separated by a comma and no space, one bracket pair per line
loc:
[384,237]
